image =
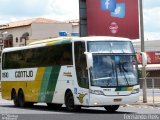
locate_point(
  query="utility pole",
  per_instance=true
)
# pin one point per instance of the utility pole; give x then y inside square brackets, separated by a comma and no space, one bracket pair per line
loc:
[143,50]
[82,18]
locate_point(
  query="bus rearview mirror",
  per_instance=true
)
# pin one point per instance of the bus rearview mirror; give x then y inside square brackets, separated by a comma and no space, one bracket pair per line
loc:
[89,58]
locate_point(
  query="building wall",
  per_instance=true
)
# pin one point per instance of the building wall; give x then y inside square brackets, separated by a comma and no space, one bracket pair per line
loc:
[75,28]
[42,31]
[37,31]
[17,33]
[150,45]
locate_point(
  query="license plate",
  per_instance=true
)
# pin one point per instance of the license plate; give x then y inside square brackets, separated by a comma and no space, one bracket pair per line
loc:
[117,100]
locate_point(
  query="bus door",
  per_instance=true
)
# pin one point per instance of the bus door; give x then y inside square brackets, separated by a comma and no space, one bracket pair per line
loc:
[82,85]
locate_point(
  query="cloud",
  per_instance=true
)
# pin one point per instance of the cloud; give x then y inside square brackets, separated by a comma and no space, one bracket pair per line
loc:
[152,35]
[64,9]
[55,9]
[11,10]
[21,8]
[151,19]
[148,4]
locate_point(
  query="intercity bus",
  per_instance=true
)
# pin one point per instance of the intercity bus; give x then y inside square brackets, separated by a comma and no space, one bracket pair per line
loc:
[78,72]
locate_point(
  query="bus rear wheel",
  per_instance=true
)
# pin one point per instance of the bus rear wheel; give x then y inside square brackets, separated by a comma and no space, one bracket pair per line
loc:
[111,108]
[21,99]
[69,102]
[14,98]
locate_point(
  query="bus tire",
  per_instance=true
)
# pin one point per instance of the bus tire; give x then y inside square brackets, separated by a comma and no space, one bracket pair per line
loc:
[111,108]
[14,98]
[21,99]
[54,106]
[69,102]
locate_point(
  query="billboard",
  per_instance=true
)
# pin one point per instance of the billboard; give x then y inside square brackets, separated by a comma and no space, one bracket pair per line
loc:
[118,18]
[153,57]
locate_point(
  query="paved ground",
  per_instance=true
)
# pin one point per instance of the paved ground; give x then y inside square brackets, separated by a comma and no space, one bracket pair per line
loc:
[153,97]
[42,112]
[151,100]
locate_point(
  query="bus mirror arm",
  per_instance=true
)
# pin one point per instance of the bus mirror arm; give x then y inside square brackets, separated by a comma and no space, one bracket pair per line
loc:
[89,58]
[144,58]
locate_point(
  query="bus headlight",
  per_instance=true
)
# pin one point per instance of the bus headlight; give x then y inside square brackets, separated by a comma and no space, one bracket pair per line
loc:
[134,91]
[97,92]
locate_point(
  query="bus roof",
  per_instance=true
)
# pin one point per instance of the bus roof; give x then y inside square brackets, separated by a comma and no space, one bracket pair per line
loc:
[63,40]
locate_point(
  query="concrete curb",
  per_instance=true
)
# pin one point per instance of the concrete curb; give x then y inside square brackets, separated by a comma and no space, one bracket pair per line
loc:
[147,104]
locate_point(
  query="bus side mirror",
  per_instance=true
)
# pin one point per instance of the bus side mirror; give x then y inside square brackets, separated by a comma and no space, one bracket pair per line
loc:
[144,58]
[89,58]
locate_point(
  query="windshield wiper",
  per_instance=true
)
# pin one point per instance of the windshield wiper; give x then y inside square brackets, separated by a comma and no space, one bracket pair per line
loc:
[104,78]
[123,71]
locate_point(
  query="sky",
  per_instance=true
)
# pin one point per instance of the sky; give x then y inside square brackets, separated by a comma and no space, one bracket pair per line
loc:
[13,10]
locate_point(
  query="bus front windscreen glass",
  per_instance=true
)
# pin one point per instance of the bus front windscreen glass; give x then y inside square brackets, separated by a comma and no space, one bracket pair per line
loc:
[113,70]
[111,47]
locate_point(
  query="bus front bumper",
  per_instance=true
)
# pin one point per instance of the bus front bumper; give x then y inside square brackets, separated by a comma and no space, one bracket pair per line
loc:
[101,100]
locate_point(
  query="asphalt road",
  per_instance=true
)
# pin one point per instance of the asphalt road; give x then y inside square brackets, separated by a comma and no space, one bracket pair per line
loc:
[42,112]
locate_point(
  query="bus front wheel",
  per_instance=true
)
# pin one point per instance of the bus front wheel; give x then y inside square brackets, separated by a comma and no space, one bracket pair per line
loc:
[69,102]
[111,108]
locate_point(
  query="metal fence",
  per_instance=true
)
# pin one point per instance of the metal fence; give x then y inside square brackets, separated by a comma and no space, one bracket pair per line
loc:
[153,90]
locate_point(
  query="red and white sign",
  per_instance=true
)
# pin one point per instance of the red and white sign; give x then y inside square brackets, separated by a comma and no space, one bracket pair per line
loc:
[119,18]
[113,27]
[153,57]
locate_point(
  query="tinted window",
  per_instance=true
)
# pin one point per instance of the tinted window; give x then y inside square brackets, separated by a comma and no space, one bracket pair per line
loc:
[39,57]
[81,65]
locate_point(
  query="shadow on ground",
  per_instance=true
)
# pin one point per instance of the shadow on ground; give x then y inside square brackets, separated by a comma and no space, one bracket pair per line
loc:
[63,110]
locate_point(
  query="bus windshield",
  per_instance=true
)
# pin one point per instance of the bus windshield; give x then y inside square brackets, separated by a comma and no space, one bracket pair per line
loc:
[110,47]
[114,70]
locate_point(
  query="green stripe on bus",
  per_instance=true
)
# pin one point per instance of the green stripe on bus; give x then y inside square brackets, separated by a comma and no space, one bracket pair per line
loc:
[121,89]
[44,85]
[52,83]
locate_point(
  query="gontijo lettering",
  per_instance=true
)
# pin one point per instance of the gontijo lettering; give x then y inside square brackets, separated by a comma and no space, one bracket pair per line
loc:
[23,74]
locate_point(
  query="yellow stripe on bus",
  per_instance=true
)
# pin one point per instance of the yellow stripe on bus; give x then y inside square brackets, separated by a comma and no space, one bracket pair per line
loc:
[33,87]
[129,88]
[51,43]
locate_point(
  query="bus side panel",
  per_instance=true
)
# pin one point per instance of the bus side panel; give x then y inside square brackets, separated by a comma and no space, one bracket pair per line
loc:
[7,87]
[48,84]
[31,89]
[32,92]
[65,81]
[52,83]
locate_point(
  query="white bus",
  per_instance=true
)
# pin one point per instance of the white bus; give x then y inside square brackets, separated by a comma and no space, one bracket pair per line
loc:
[77,72]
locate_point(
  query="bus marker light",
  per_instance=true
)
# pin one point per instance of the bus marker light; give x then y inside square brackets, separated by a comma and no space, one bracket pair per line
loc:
[96,103]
